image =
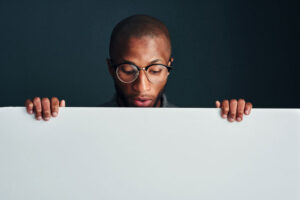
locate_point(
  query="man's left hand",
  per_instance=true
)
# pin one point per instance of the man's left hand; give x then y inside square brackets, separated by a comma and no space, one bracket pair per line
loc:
[234,109]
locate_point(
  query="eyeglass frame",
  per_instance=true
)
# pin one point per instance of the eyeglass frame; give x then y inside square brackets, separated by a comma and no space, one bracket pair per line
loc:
[115,66]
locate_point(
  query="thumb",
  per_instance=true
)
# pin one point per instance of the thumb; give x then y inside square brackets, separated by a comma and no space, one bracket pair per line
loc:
[62,103]
[218,104]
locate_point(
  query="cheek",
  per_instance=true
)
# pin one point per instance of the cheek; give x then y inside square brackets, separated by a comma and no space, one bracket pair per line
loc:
[158,87]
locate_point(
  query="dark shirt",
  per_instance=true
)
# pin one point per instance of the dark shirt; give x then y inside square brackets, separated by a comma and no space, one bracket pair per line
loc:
[114,103]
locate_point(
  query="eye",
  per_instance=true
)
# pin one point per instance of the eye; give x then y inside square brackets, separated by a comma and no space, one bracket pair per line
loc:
[155,69]
[127,69]
[129,72]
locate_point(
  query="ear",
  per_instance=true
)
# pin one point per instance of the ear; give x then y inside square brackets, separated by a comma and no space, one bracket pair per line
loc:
[170,61]
[110,67]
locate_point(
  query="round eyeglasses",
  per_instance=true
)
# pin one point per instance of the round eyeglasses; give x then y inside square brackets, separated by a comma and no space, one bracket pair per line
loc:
[129,72]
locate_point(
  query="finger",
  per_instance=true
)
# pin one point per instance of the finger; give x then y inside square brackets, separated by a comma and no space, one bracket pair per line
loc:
[62,103]
[240,109]
[233,107]
[38,108]
[225,108]
[46,109]
[218,104]
[54,106]
[29,106]
[248,108]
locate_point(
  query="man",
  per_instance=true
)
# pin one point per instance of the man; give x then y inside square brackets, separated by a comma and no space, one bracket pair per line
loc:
[140,63]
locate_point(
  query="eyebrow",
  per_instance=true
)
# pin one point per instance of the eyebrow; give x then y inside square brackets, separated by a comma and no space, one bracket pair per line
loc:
[152,62]
[155,61]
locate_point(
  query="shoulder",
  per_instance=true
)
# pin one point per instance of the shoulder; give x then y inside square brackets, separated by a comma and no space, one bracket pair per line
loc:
[170,105]
[166,103]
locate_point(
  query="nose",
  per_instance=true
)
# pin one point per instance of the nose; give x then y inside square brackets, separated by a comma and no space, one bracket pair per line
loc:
[142,84]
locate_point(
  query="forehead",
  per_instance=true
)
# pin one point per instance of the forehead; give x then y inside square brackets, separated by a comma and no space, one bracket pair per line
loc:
[143,49]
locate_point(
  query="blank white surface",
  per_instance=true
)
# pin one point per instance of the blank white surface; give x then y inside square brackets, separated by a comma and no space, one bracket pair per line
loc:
[148,153]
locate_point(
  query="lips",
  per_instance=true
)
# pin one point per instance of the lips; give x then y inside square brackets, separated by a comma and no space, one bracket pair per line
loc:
[142,102]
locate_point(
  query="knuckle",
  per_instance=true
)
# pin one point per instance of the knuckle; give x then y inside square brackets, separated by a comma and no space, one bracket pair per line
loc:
[226,109]
[241,107]
[47,113]
[54,99]
[45,99]
[54,102]
[249,104]
[225,101]
[233,100]
[55,108]
[35,99]
[232,112]
[54,105]
[241,100]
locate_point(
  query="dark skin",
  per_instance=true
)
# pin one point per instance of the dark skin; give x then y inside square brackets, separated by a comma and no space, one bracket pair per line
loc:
[142,52]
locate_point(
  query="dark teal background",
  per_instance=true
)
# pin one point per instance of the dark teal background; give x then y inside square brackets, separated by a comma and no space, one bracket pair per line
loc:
[222,49]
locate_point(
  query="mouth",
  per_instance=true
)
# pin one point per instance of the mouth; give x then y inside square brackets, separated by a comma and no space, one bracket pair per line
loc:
[142,102]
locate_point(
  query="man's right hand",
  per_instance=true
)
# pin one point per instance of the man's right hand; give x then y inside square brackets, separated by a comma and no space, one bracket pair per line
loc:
[44,108]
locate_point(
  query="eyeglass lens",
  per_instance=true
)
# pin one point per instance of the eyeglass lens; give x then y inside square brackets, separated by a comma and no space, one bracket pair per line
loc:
[128,73]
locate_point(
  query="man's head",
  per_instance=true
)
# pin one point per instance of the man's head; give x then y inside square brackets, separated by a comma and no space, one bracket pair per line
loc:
[140,40]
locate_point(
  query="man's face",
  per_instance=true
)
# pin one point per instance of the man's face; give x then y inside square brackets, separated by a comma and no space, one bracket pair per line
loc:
[142,52]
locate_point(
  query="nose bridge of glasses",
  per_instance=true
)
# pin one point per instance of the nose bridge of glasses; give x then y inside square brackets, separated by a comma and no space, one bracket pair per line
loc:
[142,68]
[145,71]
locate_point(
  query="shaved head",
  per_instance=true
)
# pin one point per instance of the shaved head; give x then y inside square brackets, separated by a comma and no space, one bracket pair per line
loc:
[137,26]
[142,41]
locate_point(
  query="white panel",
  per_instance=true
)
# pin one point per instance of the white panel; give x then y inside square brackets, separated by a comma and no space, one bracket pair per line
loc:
[150,153]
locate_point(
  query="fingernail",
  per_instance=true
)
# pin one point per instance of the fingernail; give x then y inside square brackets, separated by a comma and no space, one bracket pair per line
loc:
[224,116]
[39,118]
[47,118]
[247,112]
[54,114]
[239,119]
[30,111]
